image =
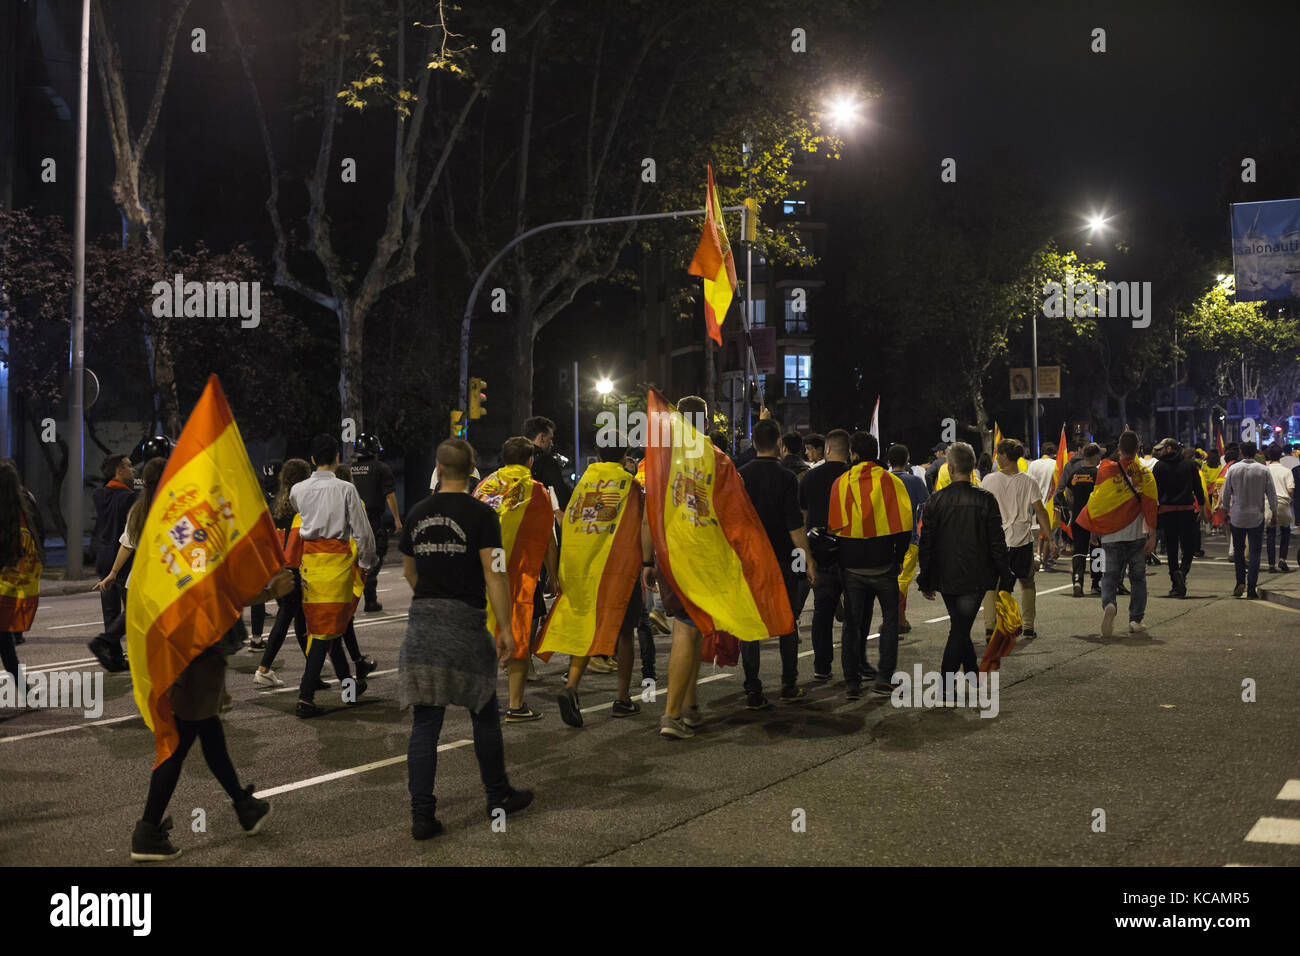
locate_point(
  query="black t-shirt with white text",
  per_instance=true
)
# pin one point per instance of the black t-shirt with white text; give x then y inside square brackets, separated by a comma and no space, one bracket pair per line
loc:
[444,534]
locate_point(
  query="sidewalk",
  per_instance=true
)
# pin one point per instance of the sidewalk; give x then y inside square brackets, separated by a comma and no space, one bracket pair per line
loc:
[1283,589]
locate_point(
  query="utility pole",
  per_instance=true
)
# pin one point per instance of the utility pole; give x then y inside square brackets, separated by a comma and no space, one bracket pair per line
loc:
[76,476]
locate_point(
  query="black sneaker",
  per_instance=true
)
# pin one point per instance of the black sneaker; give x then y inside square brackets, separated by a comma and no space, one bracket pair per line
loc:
[1029,634]
[522,714]
[1252,595]
[1284,567]
[884,688]
[570,709]
[372,606]
[360,689]
[1272,569]
[789,694]
[19,639]
[1121,590]
[1239,590]
[150,843]
[514,801]
[252,811]
[626,708]
[257,643]
[1096,589]
[757,701]
[868,674]
[1078,590]
[853,691]
[107,654]
[321,684]
[306,710]
[424,828]
[821,678]
[365,667]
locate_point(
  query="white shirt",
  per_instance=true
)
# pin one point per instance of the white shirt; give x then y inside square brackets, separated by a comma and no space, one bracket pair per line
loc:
[128,542]
[919,471]
[1134,530]
[1016,495]
[1289,462]
[332,508]
[1284,486]
[1043,470]
[1148,463]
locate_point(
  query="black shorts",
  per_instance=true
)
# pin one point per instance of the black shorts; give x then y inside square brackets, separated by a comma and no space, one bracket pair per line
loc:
[1021,559]
[635,605]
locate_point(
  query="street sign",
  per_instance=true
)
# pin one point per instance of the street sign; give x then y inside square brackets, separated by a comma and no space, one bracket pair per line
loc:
[1049,382]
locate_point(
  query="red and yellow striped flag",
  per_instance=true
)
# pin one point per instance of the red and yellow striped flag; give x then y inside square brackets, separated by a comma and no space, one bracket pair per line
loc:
[714,263]
[527,525]
[1112,506]
[997,439]
[20,586]
[709,543]
[600,561]
[1062,458]
[208,545]
[867,501]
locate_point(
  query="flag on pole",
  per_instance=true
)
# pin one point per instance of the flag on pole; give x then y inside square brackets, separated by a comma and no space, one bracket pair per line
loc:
[709,543]
[207,546]
[1062,457]
[875,423]
[714,263]
[527,523]
[997,439]
[600,563]
[1218,437]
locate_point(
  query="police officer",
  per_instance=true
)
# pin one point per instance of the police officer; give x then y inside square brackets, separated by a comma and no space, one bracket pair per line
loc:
[374,481]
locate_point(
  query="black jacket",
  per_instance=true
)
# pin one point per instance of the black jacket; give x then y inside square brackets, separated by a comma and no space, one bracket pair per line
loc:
[547,470]
[963,549]
[1178,481]
[795,464]
[111,507]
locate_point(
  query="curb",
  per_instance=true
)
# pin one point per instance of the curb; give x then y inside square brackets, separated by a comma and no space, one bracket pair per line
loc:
[1283,598]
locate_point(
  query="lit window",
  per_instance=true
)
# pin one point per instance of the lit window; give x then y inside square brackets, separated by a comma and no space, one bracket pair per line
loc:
[798,375]
[795,207]
[795,321]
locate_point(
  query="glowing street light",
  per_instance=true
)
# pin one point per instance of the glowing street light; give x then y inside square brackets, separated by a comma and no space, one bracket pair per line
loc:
[843,110]
[604,386]
[1096,224]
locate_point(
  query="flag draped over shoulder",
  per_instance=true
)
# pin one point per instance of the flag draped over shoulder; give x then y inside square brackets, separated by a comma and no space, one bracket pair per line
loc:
[1112,507]
[709,544]
[332,584]
[207,546]
[527,524]
[867,501]
[714,263]
[600,561]
[20,586]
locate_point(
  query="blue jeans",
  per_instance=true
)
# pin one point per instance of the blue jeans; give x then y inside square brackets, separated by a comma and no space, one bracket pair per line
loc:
[1130,554]
[789,644]
[860,591]
[1239,538]
[422,755]
[959,651]
[826,598]
[1271,536]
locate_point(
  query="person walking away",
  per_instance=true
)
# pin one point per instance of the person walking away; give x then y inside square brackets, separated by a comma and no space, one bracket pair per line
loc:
[1019,499]
[1121,517]
[963,555]
[814,502]
[1280,519]
[112,502]
[450,547]
[916,491]
[1178,484]
[1043,472]
[289,606]
[871,514]
[22,556]
[1247,489]
[791,453]
[1077,482]
[774,492]
[374,482]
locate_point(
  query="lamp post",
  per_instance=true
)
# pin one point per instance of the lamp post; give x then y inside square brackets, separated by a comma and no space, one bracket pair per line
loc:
[77,345]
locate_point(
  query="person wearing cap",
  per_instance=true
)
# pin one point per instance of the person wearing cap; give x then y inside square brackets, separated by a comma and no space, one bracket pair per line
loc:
[375,483]
[940,452]
[1181,497]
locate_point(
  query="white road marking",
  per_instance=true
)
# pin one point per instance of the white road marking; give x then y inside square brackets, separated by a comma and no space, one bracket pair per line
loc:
[64,730]
[60,627]
[38,668]
[350,772]
[1275,830]
[1290,791]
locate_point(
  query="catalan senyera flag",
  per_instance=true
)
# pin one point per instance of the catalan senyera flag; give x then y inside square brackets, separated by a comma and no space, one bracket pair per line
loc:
[20,586]
[600,562]
[867,501]
[332,584]
[709,544]
[208,545]
[527,526]
[1112,507]
[714,263]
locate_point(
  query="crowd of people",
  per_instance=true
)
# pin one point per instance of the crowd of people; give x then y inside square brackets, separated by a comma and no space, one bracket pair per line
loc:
[517,565]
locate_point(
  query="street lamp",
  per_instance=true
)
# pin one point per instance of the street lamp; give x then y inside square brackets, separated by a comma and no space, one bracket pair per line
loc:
[604,386]
[842,110]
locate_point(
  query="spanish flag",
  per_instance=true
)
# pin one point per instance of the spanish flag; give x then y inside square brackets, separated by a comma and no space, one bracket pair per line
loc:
[332,584]
[714,263]
[20,585]
[208,545]
[709,543]
[1062,457]
[600,561]
[997,439]
[527,524]
[1112,506]
[867,501]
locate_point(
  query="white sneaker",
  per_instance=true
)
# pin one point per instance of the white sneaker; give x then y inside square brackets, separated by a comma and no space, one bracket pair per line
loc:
[532,674]
[267,679]
[1136,627]
[1108,620]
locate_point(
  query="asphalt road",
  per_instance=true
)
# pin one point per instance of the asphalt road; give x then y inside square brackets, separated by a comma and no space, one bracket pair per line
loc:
[1153,731]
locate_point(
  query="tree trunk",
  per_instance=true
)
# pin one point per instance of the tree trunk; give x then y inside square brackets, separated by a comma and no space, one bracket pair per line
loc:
[58,474]
[352,324]
[982,420]
[522,400]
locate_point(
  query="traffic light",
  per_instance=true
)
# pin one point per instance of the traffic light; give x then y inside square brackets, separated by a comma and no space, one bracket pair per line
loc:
[477,398]
[458,426]
[751,221]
